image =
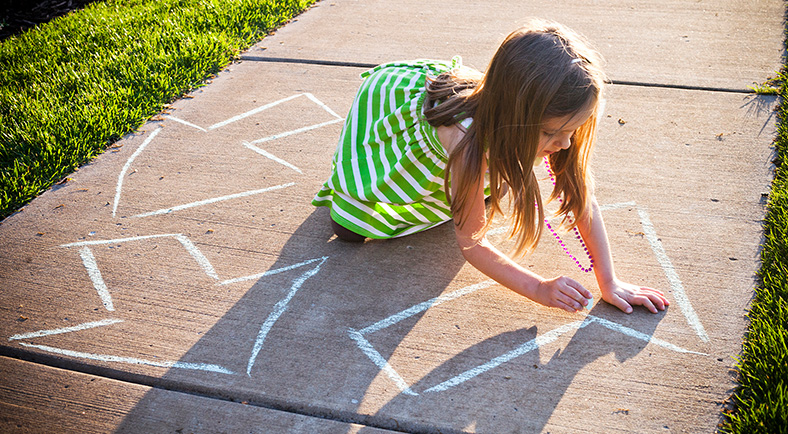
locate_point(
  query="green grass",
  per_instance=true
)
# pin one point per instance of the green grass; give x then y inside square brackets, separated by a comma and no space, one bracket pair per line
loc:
[72,86]
[762,397]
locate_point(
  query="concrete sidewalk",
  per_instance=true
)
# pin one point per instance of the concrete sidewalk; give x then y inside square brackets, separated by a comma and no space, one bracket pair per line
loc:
[182,282]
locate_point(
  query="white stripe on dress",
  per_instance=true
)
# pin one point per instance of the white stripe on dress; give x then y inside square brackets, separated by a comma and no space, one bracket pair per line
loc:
[368,127]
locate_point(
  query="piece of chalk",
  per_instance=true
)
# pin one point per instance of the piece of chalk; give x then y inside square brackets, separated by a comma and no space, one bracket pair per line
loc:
[590,303]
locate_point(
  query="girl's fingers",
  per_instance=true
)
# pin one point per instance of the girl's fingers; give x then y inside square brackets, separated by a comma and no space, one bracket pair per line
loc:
[621,304]
[655,294]
[657,298]
[659,302]
[580,289]
[643,301]
[576,291]
[566,304]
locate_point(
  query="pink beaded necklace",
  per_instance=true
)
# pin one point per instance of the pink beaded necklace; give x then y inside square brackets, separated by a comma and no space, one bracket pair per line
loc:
[577,233]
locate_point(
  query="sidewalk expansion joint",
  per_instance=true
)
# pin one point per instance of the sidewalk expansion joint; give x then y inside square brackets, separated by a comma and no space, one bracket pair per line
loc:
[213,392]
[372,65]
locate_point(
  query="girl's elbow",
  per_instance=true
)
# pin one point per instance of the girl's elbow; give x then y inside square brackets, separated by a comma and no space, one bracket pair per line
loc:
[470,246]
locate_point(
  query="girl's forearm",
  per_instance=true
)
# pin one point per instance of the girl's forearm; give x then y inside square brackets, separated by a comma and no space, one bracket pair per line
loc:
[595,237]
[499,267]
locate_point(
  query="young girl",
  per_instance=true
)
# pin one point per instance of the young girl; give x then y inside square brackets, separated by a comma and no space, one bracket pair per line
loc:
[426,142]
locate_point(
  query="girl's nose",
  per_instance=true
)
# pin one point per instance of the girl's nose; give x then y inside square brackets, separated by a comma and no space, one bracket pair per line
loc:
[564,142]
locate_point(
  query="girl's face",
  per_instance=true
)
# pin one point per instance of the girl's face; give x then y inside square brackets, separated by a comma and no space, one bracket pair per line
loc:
[556,134]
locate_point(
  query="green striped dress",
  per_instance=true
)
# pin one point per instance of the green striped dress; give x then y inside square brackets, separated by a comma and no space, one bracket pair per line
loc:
[387,172]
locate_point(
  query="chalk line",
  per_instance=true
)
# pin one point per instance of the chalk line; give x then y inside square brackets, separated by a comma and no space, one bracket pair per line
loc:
[380,362]
[549,337]
[197,255]
[300,130]
[271,156]
[279,309]
[323,106]
[116,240]
[131,360]
[186,123]
[619,205]
[126,166]
[270,272]
[214,200]
[673,277]
[95,275]
[89,261]
[393,319]
[640,335]
[76,328]
[252,112]
[664,261]
[531,345]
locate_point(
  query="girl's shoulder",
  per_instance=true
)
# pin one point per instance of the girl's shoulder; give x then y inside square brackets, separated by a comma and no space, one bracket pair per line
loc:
[450,136]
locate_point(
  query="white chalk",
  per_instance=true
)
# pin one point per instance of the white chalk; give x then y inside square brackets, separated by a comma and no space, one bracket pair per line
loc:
[279,309]
[590,303]
[131,360]
[126,166]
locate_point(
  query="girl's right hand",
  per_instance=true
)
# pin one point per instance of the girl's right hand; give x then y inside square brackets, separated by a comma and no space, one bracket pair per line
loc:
[563,293]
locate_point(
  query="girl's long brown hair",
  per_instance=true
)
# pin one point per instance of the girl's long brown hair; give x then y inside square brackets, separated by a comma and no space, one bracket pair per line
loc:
[539,72]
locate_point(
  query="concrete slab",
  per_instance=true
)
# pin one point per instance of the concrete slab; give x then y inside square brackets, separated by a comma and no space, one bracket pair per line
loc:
[189,255]
[35,398]
[715,43]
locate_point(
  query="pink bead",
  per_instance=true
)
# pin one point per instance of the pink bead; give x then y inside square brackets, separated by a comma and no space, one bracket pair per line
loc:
[571,221]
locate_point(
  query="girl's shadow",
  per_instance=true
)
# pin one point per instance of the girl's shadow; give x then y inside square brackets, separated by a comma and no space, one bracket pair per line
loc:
[307,363]
[285,340]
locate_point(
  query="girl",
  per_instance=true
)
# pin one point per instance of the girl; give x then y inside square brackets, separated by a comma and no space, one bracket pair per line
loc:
[426,142]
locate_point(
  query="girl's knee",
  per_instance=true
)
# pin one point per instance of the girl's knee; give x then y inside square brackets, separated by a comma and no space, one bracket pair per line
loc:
[346,234]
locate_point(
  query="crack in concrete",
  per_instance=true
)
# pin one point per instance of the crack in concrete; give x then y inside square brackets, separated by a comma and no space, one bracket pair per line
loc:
[266,402]
[348,64]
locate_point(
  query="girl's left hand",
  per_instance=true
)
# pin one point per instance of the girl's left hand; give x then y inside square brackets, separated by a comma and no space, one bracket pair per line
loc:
[624,295]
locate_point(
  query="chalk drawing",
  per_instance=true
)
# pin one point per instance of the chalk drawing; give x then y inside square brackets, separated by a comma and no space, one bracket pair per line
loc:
[214,200]
[117,240]
[95,276]
[271,272]
[380,361]
[642,336]
[252,112]
[300,130]
[549,337]
[197,255]
[126,167]
[673,277]
[104,357]
[187,244]
[89,261]
[186,123]
[76,328]
[130,360]
[193,251]
[271,156]
[358,336]
[531,345]
[279,309]
[677,288]
[252,145]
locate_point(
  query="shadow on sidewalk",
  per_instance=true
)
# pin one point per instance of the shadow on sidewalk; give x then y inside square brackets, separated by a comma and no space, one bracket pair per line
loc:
[523,394]
[308,365]
[306,362]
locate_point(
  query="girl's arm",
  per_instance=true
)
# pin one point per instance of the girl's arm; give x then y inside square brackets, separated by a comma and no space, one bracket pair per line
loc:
[560,292]
[620,294]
